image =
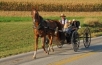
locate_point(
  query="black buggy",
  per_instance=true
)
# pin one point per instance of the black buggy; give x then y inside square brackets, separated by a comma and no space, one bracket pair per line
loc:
[74,39]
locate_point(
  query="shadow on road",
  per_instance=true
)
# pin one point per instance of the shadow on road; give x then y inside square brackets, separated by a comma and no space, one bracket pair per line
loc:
[94,48]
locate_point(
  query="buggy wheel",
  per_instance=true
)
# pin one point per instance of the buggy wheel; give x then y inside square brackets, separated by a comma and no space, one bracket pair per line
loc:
[75,41]
[87,37]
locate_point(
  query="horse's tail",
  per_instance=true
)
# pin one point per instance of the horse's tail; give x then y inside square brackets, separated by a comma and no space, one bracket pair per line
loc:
[56,31]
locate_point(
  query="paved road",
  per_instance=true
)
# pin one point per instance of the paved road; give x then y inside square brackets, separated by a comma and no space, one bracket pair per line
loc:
[61,56]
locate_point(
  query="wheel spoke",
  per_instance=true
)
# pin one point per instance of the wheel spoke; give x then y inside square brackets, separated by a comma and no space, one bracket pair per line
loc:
[87,37]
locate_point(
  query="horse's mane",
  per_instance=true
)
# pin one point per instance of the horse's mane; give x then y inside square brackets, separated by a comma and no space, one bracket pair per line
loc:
[41,17]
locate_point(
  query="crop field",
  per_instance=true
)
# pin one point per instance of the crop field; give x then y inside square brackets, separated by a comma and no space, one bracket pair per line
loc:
[56,1]
[48,14]
[52,5]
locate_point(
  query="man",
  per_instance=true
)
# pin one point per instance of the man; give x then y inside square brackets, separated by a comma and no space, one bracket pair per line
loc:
[66,25]
[63,20]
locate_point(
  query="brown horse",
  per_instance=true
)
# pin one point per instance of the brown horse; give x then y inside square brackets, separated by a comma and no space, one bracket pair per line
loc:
[42,29]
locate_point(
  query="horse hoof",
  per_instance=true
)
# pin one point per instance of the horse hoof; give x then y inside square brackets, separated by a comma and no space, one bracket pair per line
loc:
[34,57]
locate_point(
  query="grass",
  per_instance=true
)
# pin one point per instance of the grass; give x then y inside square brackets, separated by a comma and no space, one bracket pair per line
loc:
[14,19]
[15,37]
[24,19]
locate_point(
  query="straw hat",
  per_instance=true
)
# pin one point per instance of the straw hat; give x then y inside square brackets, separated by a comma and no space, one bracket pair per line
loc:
[62,15]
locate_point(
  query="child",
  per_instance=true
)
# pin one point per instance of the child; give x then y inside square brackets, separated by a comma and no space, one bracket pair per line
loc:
[67,25]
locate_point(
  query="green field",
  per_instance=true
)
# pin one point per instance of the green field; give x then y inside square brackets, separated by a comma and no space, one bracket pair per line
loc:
[25,19]
[16,34]
[15,37]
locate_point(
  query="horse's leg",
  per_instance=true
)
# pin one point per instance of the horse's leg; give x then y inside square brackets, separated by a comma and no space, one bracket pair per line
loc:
[36,46]
[43,43]
[50,43]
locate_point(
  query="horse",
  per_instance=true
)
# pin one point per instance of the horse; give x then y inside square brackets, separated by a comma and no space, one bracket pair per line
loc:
[42,29]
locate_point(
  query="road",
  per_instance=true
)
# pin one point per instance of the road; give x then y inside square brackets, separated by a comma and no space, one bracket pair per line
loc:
[61,56]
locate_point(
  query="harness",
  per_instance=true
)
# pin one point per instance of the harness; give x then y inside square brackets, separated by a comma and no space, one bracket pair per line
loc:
[40,25]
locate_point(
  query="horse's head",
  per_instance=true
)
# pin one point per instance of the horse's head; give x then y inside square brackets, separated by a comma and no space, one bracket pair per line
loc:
[37,19]
[35,15]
